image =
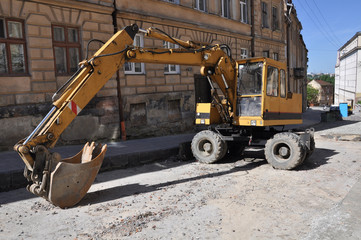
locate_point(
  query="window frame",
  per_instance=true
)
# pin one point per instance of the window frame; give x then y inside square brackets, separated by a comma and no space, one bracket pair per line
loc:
[12,40]
[132,64]
[270,89]
[242,55]
[275,18]
[244,6]
[265,15]
[172,1]
[67,45]
[283,84]
[224,12]
[265,53]
[276,56]
[197,5]
[168,45]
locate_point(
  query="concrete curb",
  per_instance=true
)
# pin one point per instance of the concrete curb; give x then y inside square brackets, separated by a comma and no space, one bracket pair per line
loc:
[119,155]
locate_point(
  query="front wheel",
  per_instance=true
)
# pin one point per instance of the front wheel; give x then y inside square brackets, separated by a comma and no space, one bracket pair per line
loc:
[284,151]
[208,147]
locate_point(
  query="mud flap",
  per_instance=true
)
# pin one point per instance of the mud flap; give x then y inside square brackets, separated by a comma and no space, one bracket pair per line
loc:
[71,178]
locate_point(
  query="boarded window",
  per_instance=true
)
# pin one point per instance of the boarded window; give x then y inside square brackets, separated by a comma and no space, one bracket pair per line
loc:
[174,111]
[138,114]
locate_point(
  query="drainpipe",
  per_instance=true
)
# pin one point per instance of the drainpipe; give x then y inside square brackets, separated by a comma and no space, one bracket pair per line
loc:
[119,93]
[252,30]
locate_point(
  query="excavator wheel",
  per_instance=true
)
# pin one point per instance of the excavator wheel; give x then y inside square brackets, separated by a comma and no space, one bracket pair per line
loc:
[208,147]
[285,151]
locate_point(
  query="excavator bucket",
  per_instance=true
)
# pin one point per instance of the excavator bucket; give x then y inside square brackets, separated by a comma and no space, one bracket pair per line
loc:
[71,178]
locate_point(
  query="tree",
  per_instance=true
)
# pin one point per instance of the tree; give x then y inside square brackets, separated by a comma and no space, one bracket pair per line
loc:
[312,95]
[328,78]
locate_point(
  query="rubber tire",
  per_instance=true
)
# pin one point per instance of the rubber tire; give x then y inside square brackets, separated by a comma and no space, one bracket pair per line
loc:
[292,142]
[218,147]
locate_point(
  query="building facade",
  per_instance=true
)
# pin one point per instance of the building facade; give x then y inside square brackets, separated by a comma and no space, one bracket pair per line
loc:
[41,42]
[325,91]
[348,72]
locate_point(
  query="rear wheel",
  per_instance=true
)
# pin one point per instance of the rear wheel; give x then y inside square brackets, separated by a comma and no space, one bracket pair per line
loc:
[284,151]
[208,147]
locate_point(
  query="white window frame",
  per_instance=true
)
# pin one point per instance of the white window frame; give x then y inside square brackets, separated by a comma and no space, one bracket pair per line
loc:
[226,14]
[244,10]
[168,67]
[132,65]
[201,7]
[276,56]
[244,53]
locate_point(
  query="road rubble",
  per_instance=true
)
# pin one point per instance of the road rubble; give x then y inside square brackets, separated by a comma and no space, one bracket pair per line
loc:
[238,198]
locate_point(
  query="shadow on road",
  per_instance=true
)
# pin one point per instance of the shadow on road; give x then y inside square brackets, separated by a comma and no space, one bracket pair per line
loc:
[320,157]
[133,189]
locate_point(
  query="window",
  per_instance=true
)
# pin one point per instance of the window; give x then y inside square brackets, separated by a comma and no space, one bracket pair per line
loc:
[12,47]
[244,53]
[275,24]
[135,68]
[275,56]
[265,54]
[244,11]
[172,1]
[272,81]
[201,5]
[226,8]
[66,45]
[283,83]
[264,15]
[171,68]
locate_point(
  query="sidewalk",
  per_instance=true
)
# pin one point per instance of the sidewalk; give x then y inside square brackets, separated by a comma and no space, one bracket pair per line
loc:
[119,155]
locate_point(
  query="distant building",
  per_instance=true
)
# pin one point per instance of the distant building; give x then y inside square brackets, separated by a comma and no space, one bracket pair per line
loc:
[348,71]
[325,89]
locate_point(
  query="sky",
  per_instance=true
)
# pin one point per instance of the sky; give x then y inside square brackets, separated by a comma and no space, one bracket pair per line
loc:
[327,26]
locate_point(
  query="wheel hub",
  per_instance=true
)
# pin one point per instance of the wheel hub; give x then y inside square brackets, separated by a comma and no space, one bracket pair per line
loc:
[207,147]
[284,151]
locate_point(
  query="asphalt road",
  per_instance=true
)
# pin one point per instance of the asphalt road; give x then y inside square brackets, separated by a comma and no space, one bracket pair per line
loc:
[240,198]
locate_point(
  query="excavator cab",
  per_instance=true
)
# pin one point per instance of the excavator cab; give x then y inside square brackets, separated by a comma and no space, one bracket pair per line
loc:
[262,96]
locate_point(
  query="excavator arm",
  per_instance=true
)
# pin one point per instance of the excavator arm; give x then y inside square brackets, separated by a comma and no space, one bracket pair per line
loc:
[64,182]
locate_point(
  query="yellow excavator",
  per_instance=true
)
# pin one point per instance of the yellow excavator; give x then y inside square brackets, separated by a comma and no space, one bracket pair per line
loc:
[254,99]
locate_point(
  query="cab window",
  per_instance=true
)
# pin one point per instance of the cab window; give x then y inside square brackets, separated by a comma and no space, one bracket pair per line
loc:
[283,83]
[272,81]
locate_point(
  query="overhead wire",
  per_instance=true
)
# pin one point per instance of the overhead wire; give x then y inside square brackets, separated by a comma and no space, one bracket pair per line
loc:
[329,27]
[318,24]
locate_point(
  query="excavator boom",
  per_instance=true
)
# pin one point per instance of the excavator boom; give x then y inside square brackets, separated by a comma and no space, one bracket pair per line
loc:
[252,100]
[64,182]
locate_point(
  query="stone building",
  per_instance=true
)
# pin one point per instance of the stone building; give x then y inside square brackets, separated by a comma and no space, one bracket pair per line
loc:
[325,91]
[41,42]
[348,71]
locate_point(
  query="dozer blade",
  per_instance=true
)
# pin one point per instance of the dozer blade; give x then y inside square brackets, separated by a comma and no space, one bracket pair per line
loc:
[71,178]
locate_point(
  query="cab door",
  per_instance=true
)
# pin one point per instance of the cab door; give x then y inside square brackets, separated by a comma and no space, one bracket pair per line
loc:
[272,98]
